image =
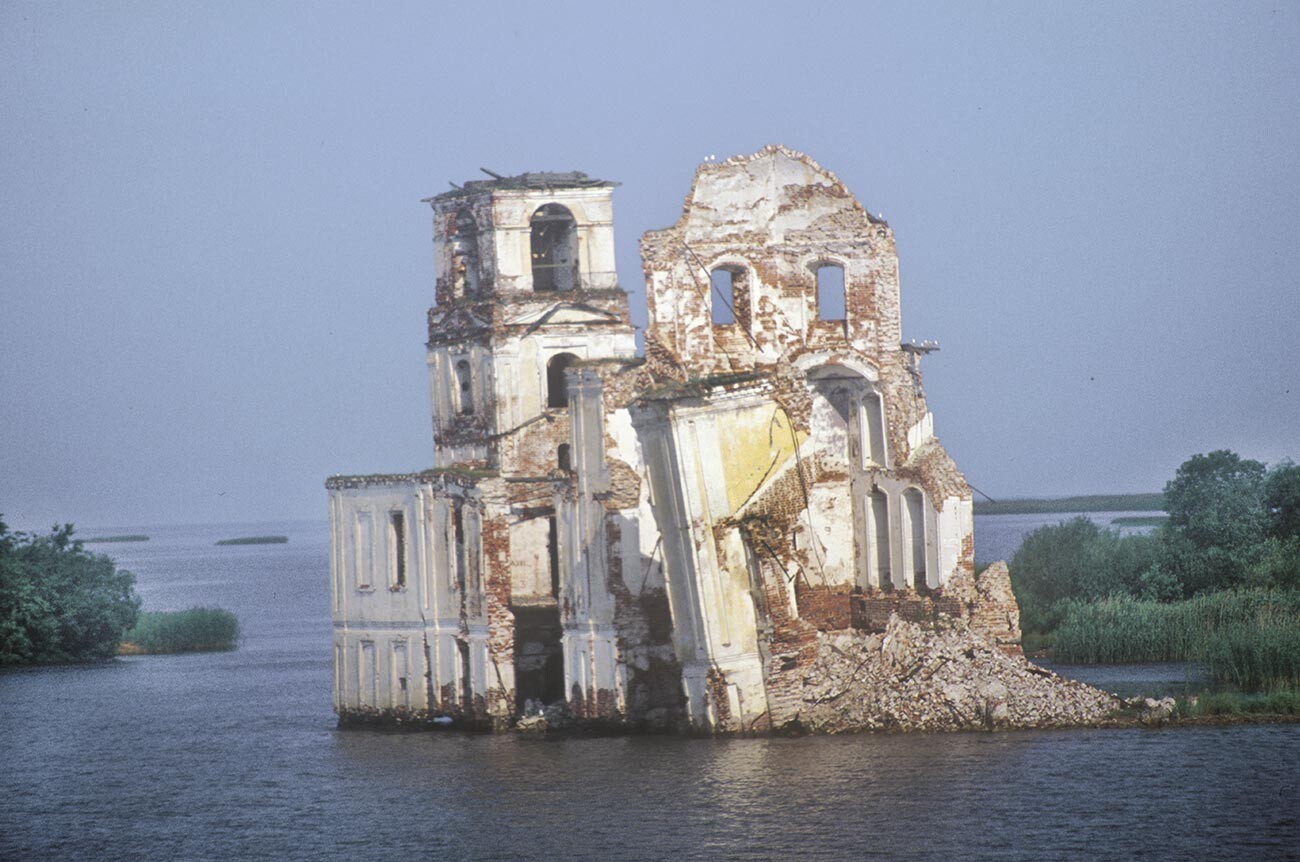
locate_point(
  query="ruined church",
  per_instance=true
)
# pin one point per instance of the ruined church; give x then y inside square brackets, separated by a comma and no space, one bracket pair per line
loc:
[664,539]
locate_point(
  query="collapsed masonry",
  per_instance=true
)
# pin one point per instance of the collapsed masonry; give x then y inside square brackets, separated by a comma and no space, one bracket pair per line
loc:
[681,540]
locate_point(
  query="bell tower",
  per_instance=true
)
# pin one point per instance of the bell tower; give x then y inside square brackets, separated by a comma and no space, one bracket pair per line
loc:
[526,288]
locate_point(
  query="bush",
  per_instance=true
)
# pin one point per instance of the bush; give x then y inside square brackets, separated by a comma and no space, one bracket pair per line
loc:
[1076,560]
[193,630]
[59,602]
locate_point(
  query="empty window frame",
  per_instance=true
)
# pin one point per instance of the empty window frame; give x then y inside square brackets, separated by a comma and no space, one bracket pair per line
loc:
[554,247]
[368,671]
[464,388]
[464,255]
[364,547]
[458,545]
[401,696]
[873,410]
[553,550]
[914,533]
[557,388]
[879,527]
[466,676]
[562,458]
[831,303]
[397,541]
[722,294]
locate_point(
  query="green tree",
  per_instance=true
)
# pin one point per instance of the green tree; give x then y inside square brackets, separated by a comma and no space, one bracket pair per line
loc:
[57,601]
[1217,521]
[1076,559]
[1282,500]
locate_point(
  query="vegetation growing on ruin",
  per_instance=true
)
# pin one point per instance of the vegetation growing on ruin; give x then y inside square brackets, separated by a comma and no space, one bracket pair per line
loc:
[59,602]
[1217,583]
[193,630]
[101,539]
[1067,505]
[255,540]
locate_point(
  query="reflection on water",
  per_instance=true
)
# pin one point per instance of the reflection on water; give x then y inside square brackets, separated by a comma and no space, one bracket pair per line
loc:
[235,755]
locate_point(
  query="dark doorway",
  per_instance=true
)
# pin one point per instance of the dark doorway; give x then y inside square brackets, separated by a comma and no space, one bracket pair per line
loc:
[539,656]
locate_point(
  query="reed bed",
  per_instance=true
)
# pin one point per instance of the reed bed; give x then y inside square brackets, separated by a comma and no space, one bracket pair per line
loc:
[1246,638]
[193,630]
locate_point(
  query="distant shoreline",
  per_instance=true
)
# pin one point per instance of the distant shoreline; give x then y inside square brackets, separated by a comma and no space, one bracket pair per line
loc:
[1064,505]
[255,540]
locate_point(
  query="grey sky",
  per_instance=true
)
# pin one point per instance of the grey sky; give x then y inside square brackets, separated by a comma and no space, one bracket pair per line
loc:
[214,262]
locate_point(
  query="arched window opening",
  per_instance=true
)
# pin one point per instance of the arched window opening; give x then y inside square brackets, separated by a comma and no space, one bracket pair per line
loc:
[879,518]
[874,426]
[557,389]
[830,292]
[464,255]
[722,295]
[562,457]
[465,396]
[554,249]
[914,533]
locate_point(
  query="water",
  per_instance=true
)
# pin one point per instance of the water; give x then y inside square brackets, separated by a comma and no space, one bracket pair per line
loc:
[235,756]
[998,536]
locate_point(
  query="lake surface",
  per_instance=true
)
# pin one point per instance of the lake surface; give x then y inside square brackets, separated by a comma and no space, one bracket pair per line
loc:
[236,756]
[998,536]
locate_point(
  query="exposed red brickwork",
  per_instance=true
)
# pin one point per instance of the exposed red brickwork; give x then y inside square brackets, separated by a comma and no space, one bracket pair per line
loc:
[827,608]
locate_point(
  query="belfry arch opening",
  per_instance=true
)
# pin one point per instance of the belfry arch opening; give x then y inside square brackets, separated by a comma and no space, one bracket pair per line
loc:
[554,247]
[557,388]
[464,255]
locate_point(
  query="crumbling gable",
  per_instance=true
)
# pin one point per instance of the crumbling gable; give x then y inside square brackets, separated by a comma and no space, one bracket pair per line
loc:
[796,459]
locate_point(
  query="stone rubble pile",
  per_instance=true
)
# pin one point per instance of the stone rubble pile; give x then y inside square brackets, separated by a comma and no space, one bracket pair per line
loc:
[942,676]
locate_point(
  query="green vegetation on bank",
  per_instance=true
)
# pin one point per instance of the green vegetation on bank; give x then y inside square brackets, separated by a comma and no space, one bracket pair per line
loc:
[1249,639]
[1066,505]
[59,602]
[1233,703]
[102,539]
[1140,521]
[193,630]
[255,540]
[1217,583]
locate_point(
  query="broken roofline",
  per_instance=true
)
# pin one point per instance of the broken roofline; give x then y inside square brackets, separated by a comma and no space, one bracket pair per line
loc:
[708,166]
[527,181]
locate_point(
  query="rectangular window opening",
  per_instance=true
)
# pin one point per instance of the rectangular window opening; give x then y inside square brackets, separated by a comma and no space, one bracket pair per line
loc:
[553,549]
[397,522]
[723,296]
[831,303]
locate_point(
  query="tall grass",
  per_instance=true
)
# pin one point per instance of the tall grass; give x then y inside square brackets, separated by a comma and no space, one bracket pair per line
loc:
[1246,638]
[194,630]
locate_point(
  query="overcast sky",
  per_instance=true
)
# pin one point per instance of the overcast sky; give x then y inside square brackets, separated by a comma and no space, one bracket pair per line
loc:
[215,266]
